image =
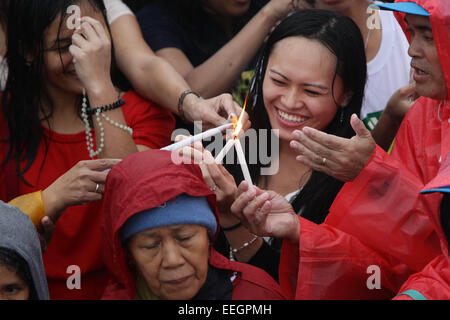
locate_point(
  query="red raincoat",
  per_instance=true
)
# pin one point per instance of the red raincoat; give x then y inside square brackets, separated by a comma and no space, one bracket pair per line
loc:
[380,219]
[433,282]
[146,180]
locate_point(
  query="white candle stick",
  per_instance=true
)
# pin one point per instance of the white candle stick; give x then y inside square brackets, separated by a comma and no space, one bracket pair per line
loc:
[224,151]
[241,157]
[197,137]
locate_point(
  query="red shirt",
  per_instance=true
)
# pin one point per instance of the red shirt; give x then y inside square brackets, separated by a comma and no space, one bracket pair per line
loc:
[77,237]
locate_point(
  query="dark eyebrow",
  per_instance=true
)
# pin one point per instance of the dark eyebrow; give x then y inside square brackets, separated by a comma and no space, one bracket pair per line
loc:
[280,74]
[315,86]
[305,84]
[420,27]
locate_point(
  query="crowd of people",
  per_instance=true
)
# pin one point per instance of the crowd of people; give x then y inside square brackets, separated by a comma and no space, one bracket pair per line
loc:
[354,92]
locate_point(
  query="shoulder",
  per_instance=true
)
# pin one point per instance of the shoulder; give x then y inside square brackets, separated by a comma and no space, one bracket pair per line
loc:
[250,282]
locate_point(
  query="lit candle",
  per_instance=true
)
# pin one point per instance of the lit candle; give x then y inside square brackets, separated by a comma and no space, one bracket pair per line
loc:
[197,137]
[243,163]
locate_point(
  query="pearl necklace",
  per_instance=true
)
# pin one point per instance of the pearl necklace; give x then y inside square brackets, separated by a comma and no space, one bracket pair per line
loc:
[89,138]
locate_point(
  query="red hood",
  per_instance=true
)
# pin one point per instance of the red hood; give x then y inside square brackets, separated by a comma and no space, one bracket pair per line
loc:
[439,11]
[142,181]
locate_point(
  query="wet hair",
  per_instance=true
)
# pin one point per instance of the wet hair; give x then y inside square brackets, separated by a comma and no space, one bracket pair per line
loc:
[25,94]
[343,38]
[445,217]
[11,260]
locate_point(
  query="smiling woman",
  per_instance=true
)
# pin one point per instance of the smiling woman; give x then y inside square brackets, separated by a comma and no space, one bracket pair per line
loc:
[45,138]
[311,72]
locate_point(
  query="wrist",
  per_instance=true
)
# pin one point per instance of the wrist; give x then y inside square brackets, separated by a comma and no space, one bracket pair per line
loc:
[101,93]
[187,105]
[271,14]
[53,205]
[294,234]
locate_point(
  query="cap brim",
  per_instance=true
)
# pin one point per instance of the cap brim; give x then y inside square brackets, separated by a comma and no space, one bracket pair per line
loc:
[445,189]
[406,7]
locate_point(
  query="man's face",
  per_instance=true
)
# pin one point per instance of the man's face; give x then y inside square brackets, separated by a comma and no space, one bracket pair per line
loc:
[428,74]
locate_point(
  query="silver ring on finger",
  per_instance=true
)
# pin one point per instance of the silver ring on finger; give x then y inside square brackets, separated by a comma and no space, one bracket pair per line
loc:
[97,186]
[213,188]
[324,160]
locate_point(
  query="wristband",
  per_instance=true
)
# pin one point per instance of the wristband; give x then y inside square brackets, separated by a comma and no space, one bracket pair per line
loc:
[181,100]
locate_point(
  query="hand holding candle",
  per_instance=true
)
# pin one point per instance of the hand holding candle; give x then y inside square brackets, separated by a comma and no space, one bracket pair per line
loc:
[237,144]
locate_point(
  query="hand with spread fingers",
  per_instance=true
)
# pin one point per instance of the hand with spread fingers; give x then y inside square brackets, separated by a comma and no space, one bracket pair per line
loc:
[266,213]
[338,157]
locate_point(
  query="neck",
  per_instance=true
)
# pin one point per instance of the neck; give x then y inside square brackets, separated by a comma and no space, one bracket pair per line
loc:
[64,118]
[371,37]
[291,174]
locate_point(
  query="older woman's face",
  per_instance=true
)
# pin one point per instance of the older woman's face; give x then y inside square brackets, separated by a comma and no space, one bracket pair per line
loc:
[298,88]
[173,260]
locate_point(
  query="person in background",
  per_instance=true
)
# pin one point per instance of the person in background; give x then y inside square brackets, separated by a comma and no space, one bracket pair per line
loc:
[159,221]
[388,65]
[52,140]
[155,79]
[22,274]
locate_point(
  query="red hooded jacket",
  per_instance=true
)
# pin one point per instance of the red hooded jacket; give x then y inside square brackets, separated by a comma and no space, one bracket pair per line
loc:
[380,219]
[433,282]
[143,181]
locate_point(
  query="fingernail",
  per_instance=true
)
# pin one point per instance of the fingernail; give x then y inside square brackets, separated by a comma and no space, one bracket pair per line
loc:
[293,144]
[251,192]
[297,134]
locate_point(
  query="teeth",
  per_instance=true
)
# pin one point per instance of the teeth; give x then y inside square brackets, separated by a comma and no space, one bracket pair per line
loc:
[289,117]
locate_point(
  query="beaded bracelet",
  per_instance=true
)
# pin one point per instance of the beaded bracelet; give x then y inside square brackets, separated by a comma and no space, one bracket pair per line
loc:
[181,100]
[119,103]
[245,245]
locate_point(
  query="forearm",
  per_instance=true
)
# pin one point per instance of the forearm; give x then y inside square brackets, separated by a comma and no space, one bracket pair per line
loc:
[151,76]
[217,74]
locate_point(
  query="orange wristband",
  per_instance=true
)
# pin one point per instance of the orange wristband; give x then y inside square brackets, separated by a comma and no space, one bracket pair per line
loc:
[31,204]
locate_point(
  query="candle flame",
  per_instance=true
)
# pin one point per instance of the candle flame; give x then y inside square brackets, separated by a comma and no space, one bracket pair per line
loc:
[238,125]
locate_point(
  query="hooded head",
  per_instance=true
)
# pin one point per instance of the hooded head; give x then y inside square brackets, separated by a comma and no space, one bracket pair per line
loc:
[441,219]
[158,220]
[427,24]
[21,265]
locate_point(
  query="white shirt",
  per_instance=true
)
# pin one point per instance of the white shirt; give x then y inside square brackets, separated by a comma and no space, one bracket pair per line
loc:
[388,71]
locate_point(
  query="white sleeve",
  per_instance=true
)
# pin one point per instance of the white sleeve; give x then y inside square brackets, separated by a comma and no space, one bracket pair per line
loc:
[116,9]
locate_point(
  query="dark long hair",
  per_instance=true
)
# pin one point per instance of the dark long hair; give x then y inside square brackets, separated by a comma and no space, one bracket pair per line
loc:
[24,95]
[342,37]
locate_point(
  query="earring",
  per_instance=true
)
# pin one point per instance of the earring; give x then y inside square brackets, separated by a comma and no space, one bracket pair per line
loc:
[341,117]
